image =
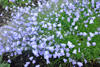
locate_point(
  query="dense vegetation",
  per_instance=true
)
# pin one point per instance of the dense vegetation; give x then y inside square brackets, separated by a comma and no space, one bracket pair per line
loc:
[57,33]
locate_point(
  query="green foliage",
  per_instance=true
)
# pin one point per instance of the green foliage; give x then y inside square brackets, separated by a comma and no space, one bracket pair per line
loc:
[8,3]
[89,53]
[3,64]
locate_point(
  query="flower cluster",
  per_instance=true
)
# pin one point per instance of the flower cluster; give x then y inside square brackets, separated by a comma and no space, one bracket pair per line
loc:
[53,30]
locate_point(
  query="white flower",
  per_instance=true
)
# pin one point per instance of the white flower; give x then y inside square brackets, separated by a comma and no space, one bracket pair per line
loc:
[79,64]
[67,49]
[67,54]
[92,3]
[56,19]
[54,25]
[58,33]
[74,51]
[84,34]
[33,38]
[62,52]
[47,61]
[79,44]
[33,61]
[62,18]
[80,33]
[54,1]
[93,18]
[73,62]
[18,42]
[55,55]
[12,0]
[85,60]
[75,19]
[96,33]
[75,27]
[91,21]
[51,48]
[63,45]
[98,29]
[35,52]
[98,15]
[93,43]
[34,18]
[50,28]
[9,61]
[7,48]
[88,39]
[70,44]
[88,44]
[35,14]
[91,34]
[31,58]
[86,21]
[6,8]
[65,60]
[44,25]
[27,63]
[34,44]
[78,49]
[37,66]
[62,5]
[61,11]
[68,19]
[59,25]
[73,23]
